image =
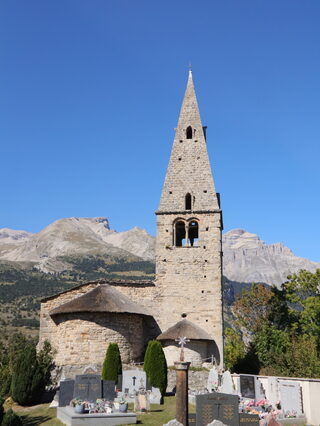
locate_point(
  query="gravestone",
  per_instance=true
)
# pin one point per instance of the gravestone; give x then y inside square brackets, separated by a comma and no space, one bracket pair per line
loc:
[217,406]
[290,396]
[132,380]
[273,390]
[155,396]
[216,423]
[173,422]
[213,380]
[192,419]
[227,384]
[108,390]
[119,384]
[87,387]
[247,387]
[249,419]
[66,392]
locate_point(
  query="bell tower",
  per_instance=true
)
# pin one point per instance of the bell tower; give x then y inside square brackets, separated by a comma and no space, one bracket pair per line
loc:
[189,225]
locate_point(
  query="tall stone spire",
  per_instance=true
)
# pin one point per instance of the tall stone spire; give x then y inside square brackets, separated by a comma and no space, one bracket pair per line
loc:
[189,170]
[188,245]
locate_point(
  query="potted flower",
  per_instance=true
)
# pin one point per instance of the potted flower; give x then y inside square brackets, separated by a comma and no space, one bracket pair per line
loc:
[78,405]
[123,405]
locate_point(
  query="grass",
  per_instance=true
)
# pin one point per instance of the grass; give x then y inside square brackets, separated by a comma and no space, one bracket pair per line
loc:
[43,415]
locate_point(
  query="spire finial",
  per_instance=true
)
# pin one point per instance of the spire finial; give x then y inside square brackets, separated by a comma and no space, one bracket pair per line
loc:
[190,68]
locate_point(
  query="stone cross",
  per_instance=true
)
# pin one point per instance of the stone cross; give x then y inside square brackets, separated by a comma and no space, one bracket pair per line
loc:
[134,380]
[182,341]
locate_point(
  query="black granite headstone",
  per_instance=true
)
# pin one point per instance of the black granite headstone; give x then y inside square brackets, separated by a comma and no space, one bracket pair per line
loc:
[87,387]
[192,418]
[248,419]
[66,392]
[247,386]
[217,406]
[119,384]
[108,391]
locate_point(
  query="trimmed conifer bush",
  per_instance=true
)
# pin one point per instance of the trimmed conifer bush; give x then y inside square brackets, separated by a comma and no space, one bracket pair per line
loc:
[155,366]
[112,365]
[11,419]
[28,382]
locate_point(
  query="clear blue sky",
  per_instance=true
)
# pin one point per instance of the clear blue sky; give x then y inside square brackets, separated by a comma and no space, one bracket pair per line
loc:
[90,92]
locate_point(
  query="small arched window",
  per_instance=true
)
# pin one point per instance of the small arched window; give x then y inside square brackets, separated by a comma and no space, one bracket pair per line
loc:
[193,233]
[179,233]
[188,202]
[189,132]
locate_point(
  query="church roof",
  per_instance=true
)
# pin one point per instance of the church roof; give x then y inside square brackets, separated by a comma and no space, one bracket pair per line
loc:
[184,328]
[103,298]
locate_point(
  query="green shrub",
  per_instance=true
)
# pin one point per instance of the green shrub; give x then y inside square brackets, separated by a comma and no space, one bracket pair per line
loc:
[5,381]
[28,381]
[11,419]
[155,366]
[112,366]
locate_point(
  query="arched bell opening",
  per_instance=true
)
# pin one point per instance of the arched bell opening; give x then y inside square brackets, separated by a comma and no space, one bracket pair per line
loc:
[193,233]
[179,234]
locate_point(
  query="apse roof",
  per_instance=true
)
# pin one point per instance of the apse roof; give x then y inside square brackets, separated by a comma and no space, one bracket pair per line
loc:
[184,328]
[103,298]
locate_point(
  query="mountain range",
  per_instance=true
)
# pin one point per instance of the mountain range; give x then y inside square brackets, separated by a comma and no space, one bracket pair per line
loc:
[246,258]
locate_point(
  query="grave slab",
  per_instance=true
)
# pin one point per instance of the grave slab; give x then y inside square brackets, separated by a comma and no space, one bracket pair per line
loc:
[67,416]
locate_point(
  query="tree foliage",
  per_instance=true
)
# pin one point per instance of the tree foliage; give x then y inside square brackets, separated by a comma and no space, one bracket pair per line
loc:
[234,349]
[155,366]
[27,379]
[283,326]
[112,365]
[11,419]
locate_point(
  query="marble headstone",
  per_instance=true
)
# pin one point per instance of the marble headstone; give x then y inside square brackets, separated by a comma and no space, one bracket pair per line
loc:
[227,384]
[173,422]
[155,396]
[213,380]
[290,396]
[132,380]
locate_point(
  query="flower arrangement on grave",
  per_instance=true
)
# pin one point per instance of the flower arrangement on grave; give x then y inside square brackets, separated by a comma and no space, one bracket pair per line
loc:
[76,401]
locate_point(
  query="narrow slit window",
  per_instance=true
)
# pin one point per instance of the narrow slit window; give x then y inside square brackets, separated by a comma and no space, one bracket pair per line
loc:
[189,132]
[188,201]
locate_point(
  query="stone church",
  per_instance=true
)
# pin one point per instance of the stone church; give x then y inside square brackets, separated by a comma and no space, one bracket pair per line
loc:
[185,300]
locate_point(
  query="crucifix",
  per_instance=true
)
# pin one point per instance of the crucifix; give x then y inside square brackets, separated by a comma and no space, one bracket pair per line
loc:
[134,380]
[182,341]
